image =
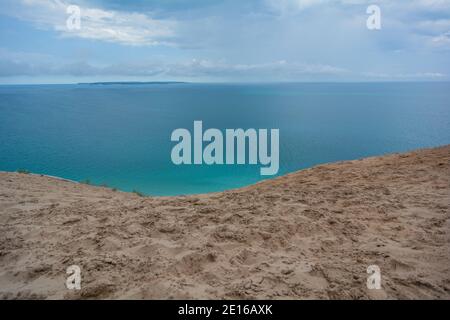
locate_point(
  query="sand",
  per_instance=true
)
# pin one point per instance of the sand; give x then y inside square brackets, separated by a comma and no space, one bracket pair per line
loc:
[308,235]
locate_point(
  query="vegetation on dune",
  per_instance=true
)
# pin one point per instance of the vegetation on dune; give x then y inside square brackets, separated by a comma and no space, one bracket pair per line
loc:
[140,194]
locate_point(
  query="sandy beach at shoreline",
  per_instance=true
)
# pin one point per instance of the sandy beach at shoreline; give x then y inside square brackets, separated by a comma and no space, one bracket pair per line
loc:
[307,235]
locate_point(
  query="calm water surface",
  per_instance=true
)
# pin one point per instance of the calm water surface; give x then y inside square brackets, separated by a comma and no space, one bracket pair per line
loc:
[120,134]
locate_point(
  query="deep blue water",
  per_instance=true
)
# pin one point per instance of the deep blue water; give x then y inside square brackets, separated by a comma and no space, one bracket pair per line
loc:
[120,134]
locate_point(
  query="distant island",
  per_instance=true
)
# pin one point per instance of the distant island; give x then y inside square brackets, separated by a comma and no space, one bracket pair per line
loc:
[130,83]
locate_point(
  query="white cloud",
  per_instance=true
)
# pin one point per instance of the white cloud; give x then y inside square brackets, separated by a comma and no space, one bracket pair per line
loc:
[432,4]
[99,24]
[194,68]
[11,65]
[442,40]
[287,6]
[294,6]
[438,25]
[254,42]
[406,76]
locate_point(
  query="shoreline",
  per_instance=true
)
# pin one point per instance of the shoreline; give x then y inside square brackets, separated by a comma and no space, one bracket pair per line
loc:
[232,189]
[307,234]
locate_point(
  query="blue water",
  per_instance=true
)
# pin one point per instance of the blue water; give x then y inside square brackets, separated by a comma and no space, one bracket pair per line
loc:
[120,134]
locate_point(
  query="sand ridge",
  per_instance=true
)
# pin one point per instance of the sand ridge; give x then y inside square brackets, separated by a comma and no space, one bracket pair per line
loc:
[310,234]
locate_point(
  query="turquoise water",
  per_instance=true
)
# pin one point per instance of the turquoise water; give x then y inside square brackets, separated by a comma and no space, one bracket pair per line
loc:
[120,134]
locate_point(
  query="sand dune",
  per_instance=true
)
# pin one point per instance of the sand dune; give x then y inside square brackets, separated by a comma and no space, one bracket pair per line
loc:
[310,234]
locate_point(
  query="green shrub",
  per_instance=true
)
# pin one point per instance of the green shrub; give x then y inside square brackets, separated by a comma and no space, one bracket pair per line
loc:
[140,194]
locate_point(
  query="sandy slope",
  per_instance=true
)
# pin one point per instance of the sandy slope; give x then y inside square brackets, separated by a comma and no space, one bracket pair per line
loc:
[310,234]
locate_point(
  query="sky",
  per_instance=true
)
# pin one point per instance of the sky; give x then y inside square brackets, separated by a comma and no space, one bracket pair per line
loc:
[223,41]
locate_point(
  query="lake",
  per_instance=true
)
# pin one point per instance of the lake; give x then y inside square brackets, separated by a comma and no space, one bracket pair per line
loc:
[119,135]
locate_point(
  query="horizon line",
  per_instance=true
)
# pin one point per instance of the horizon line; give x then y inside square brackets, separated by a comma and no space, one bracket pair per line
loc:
[162,82]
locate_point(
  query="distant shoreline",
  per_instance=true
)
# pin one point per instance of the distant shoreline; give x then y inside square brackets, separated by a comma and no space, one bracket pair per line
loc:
[275,82]
[130,83]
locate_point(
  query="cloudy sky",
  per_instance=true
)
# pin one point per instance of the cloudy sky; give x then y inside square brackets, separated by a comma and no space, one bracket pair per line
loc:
[224,41]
